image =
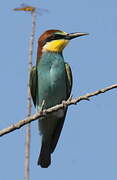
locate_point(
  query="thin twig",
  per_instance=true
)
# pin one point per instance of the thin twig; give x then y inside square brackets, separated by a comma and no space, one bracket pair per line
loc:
[52,109]
[29,103]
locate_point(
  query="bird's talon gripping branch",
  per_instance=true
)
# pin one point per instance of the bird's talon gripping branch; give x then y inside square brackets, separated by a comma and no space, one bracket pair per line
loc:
[41,112]
[70,98]
[44,112]
[64,104]
[42,105]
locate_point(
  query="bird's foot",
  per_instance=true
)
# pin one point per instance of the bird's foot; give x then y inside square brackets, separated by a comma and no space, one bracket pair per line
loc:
[64,103]
[42,105]
[42,111]
[70,98]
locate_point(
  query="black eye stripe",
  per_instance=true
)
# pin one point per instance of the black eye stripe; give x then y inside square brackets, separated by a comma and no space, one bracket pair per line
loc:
[54,37]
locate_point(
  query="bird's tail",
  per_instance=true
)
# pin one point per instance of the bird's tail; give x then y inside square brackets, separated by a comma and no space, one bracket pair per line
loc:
[44,159]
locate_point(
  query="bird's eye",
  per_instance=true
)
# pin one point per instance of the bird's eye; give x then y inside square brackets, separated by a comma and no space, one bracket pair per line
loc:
[53,37]
[60,36]
[48,40]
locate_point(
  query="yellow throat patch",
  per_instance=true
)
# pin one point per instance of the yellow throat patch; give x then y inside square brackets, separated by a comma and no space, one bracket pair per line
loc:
[56,45]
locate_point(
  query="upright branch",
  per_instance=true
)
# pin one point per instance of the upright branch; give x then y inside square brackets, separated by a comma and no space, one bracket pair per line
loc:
[32,10]
[29,103]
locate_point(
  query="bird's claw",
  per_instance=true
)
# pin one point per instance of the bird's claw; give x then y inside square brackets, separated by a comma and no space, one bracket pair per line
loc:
[64,104]
[70,98]
[42,105]
[42,110]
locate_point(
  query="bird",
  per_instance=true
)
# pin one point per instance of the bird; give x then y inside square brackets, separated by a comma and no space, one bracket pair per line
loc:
[51,84]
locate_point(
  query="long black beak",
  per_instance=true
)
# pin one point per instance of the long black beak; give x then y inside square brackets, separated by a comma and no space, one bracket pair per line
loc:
[75,35]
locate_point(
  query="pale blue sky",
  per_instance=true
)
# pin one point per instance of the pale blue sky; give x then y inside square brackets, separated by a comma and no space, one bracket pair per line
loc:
[87,149]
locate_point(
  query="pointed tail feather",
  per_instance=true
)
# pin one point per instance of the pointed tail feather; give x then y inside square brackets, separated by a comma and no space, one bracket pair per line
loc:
[56,133]
[45,155]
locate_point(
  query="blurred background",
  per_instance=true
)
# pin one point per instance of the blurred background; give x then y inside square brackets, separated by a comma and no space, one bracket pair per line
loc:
[87,149]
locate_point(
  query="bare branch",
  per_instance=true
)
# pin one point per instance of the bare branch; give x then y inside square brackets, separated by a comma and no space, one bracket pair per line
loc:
[29,103]
[32,10]
[69,102]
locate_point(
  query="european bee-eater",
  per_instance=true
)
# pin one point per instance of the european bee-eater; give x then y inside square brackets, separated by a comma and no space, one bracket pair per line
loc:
[51,83]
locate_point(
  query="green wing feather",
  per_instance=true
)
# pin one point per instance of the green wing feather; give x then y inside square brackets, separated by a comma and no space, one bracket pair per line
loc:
[33,84]
[60,124]
[69,79]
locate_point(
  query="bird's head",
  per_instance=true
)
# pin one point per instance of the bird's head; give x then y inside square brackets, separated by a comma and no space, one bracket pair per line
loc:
[55,40]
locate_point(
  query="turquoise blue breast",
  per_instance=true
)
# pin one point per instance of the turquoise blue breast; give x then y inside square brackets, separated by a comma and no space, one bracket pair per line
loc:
[51,79]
